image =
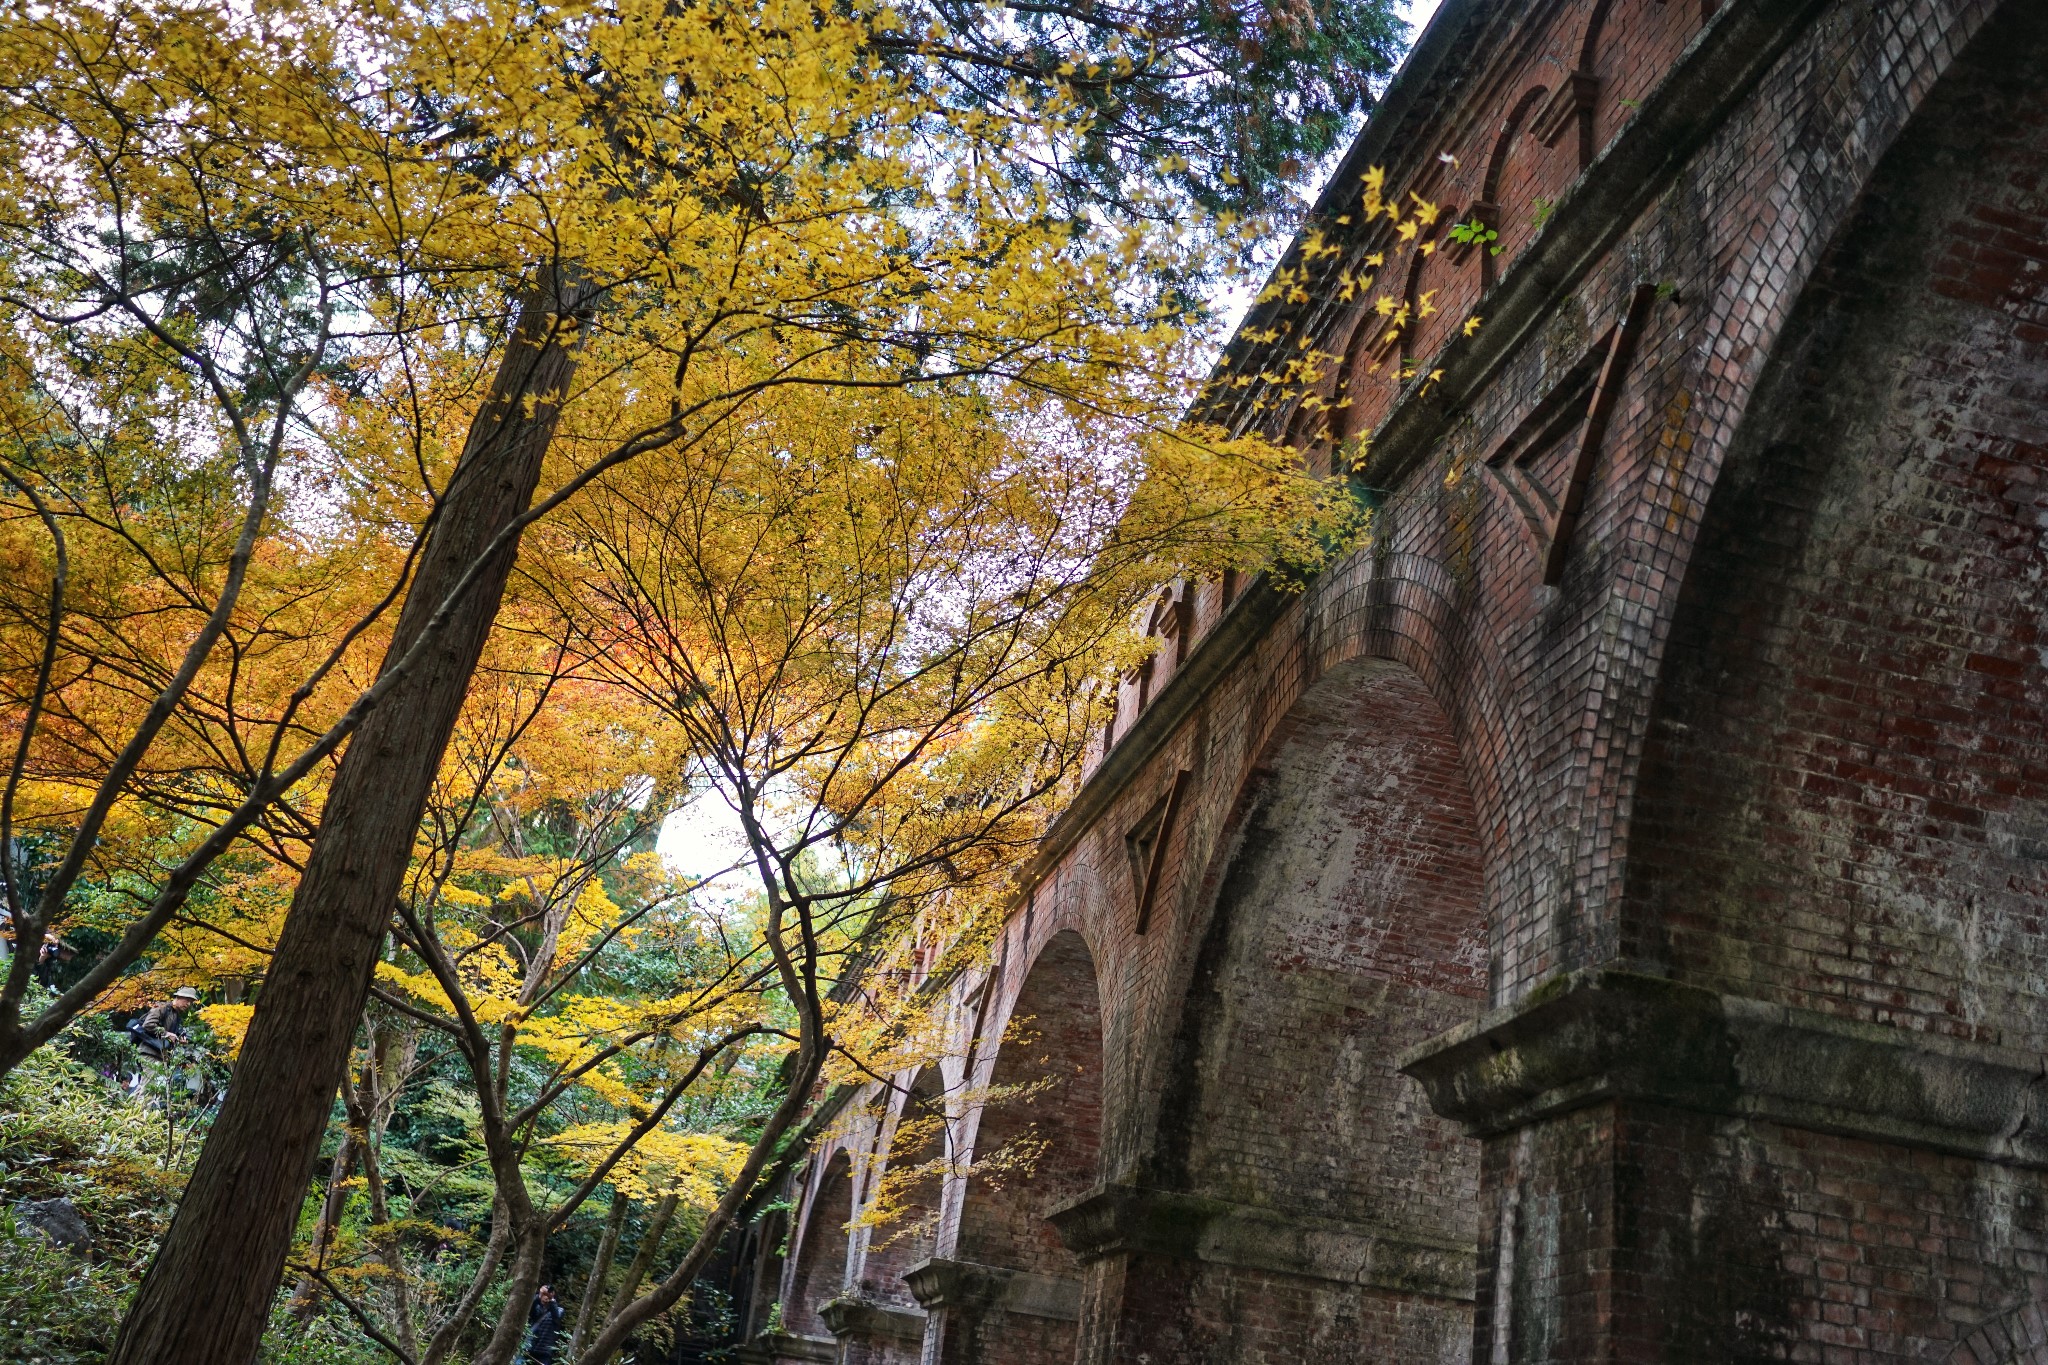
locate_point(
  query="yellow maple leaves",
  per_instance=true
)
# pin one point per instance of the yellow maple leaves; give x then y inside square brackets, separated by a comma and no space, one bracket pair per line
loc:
[695,1167]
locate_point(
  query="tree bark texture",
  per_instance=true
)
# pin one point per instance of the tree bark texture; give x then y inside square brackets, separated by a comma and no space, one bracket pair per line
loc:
[600,1268]
[207,1296]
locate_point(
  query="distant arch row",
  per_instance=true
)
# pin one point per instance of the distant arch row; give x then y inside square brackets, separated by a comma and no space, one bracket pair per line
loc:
[983,1215]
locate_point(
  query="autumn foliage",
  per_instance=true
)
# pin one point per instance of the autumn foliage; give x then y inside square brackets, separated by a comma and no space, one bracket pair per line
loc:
[865,450]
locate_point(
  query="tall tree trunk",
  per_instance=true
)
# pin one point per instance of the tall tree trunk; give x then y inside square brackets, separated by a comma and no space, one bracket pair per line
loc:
[207,1295]
[306,1297]
[442,1344]
[593,1290]
[650,1247]
[530,1238]
[643,1261]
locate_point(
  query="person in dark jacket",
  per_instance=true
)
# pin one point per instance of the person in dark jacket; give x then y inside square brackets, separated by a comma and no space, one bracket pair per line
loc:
[543,1327]
[56,956]
[164,1025]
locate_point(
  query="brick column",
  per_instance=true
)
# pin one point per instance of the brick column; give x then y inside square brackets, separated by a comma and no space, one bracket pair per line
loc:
[981,1314]
[1676,1174]
[1185,1279]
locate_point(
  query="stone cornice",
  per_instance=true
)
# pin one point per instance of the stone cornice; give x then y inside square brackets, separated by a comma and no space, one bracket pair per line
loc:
[777,1348]
[1598,1034]
[870,1321]
[941,1283]
[1116,1219]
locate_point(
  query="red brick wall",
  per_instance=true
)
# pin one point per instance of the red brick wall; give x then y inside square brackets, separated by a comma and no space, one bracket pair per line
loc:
[1845,788]
[1845,793]
[1777,730]
[1346,927]
[1198,1313]
[820,1271]
[1633,1233]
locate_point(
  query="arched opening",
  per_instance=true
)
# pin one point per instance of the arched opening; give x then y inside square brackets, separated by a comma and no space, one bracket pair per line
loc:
[1842,805]
[1843,802]
[1419,335]
[1360,402]
[1488,209]
[1347,927]
[903,1208]
[1309,430]
[818,1273]
[1038,1145]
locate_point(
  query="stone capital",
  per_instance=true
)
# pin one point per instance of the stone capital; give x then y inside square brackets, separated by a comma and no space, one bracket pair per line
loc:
[870,1321]
[941,1283]
[1114,1219]
[785,1348]
[1600,1034]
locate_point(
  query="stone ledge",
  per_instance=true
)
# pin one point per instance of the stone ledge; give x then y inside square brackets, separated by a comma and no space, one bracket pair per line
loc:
[774,1348]
[941,1283]
[1599,1034]
[850,1317]
[1122,1218]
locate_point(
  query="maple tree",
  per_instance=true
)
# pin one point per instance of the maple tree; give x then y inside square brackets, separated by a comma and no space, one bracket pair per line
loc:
[317,310]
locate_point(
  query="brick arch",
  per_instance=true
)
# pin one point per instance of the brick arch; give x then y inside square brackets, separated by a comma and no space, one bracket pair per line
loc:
[1596,25]
[817,1272]
[1421,338]
[1488,208]
[1843,795]
[1410,610]
[1037,1145]
[1309,430]
[1847,757]
[1344,925]
[2017,1338]
[1362,404]
[911,1175]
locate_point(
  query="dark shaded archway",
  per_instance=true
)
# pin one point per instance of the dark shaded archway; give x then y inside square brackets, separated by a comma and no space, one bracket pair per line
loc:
[1012,1290]
[1843,803]
[819,1272]
[1303,1200]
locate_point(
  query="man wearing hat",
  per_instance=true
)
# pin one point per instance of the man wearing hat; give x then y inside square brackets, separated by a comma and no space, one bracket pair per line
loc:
[163,1026]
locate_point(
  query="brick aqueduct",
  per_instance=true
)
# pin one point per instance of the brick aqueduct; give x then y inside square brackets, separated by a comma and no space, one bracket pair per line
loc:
[1602,920]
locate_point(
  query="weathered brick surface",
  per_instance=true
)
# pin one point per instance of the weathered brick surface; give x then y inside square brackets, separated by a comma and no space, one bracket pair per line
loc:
[1039,1134]
[1346,927]
[1778,730]
[1204,1313]
[1844,802]
[821,1274]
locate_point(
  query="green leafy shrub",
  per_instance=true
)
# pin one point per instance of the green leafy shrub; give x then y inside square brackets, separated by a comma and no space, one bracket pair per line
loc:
[55,1308]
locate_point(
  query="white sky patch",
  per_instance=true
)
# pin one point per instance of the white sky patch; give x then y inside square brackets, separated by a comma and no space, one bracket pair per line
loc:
[1235,297]
[1417,13]
[698,839]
